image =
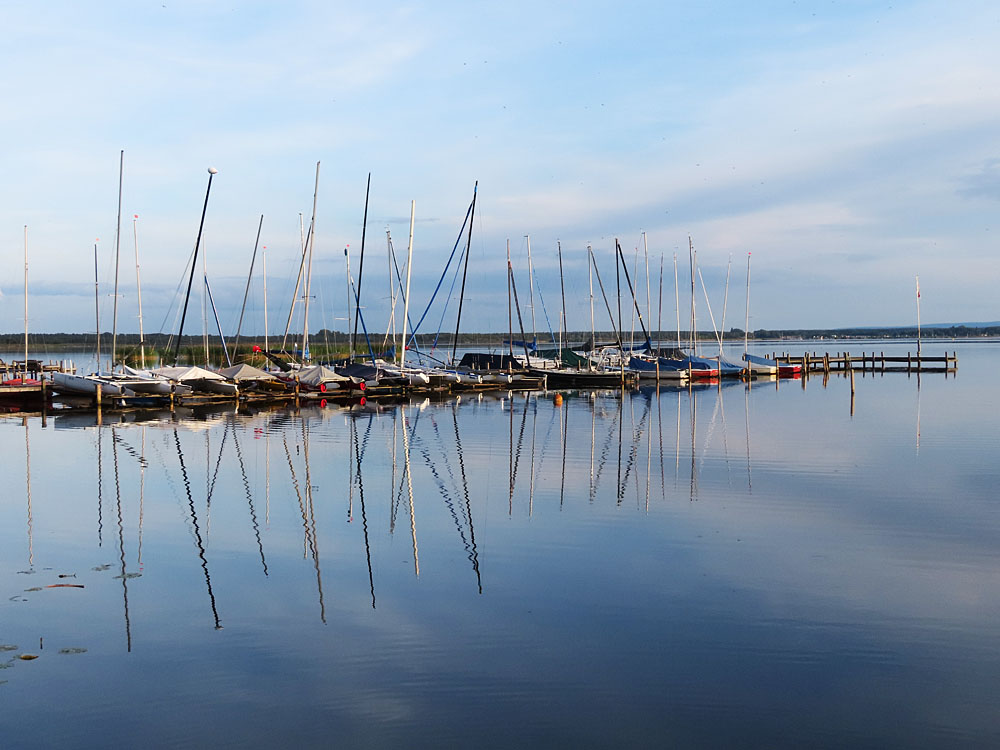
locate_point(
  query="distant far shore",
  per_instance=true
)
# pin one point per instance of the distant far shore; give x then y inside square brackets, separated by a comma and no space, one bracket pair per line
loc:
[54,342]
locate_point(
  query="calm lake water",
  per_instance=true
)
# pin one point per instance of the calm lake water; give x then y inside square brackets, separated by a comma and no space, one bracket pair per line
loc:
[731,566]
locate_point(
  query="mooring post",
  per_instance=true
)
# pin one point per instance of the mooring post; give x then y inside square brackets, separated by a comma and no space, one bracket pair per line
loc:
[852,392]
[909,362]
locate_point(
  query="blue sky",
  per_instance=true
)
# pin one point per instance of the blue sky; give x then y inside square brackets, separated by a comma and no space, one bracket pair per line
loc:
[848,145]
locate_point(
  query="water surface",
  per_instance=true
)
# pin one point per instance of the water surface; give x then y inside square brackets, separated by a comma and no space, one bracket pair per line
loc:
[770,565]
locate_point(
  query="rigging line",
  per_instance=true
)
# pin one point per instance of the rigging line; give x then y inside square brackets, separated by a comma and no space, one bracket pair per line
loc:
[451,292]
[414,329]
[249,494]
[421,445]
[306,538]
[197,531]
[121,540]
[359,453]
[312,522]
[474,553]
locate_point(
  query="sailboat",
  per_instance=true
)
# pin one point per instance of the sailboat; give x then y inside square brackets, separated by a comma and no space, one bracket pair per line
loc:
[763,365]
[22,390]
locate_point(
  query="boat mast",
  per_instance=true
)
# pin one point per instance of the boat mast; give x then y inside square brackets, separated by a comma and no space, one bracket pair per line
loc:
[677,303]
[590,278]
[393,294]
[97,305]
[510,314]
[649,310]
[725,304]
[531,291]
[263,263]
[918,320]
[562,290]
[746,324]
[659,316]
[138,289]
[212,171]
[312,244]
[118,232]
[24,375]
[465,271]
[361,266]
[406,297]
[691,261]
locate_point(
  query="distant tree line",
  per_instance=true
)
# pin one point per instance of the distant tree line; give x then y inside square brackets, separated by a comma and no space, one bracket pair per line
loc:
[339,341]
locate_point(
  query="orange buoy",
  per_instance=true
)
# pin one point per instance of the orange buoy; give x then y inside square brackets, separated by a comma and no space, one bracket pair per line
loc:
[558,399]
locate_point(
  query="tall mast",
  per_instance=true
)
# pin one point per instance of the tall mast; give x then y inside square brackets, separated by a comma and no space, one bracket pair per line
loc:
[361,266]
[465,271]
[138,289]
[562,290]
[510,317]
[263,262]
[97,306]
[347,319]
[691,261]
[746,324]
[212,171]
[590,278]
[24,375]
[393,294]
[312,244]
[677,303]
[659,317]
[118,232]
[406,298]
[645,252]
[531,290]
[918,320]
[725,304]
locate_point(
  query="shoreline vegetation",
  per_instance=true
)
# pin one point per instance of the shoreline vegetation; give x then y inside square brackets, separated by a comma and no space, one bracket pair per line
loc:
[332,344]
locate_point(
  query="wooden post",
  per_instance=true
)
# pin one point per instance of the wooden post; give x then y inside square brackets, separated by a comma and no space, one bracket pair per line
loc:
[826,363]
[883,361]
[909,363]
[852,392]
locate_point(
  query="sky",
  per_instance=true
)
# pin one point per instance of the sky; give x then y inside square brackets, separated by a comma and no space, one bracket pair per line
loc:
[849,147]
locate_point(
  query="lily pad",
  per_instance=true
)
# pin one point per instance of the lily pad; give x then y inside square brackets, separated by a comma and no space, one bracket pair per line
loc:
[72,651]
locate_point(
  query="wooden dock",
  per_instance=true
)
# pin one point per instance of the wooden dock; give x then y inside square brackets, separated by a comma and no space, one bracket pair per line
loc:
[871,362]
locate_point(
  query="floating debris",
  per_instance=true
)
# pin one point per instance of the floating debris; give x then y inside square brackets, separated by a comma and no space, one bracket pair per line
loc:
[17,598]
[102,568]
[28,657]
[67,575]
[64,586]
[128,575]
[34,588]
[72,651]
[7,647]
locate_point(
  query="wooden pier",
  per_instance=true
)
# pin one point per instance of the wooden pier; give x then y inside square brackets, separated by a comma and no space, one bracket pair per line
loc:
[871,362]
